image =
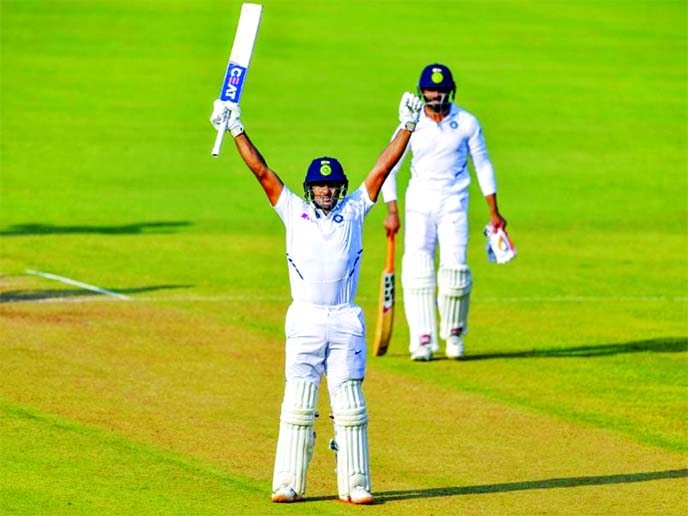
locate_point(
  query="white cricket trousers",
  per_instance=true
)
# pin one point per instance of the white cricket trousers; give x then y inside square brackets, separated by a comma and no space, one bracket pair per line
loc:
[325,339]
[433,215]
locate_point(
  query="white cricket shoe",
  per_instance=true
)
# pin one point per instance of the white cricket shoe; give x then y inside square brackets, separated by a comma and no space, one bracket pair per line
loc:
[422,354]
[358,496]
[454,347]
[424,349]
[286,494]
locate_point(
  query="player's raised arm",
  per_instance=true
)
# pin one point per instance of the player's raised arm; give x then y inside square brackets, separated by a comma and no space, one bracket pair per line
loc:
[228,113]
[409,112]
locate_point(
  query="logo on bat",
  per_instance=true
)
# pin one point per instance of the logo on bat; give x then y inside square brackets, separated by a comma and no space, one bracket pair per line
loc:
[234,82]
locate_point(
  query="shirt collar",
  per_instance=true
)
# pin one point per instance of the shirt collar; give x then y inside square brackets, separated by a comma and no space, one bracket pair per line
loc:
[453,113]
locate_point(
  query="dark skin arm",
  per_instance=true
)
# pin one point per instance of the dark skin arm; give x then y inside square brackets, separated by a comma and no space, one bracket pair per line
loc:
[268,179]
[392,223]
[273,185]
[385,163]
[496,219]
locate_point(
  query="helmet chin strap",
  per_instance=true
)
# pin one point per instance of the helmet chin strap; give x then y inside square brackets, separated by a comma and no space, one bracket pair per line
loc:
[438,107]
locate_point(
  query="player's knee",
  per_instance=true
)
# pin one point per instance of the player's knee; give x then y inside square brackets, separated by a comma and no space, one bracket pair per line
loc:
[348,404]
[455,281]
[300,401]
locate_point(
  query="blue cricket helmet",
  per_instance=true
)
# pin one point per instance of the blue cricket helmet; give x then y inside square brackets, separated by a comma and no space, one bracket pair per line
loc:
[436,77]
[325,170]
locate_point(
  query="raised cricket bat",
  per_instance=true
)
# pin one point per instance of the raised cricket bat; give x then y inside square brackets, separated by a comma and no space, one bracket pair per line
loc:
[239,61]
[385,313]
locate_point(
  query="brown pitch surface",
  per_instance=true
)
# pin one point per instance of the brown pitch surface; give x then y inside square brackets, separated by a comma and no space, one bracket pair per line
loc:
[180,381]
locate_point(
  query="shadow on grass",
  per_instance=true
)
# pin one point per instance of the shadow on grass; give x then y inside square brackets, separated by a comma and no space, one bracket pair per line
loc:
[664,345]
[551,483]
[18,296]
[126,229]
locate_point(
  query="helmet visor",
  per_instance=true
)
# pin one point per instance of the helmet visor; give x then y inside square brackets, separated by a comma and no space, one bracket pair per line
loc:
[438,100]
[326,194]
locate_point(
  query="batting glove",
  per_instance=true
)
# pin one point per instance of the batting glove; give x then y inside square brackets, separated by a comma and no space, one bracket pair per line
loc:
[409,110]
[499,247]
[226,114]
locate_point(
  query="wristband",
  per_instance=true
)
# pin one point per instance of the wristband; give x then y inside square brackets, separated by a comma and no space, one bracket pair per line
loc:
[236,130]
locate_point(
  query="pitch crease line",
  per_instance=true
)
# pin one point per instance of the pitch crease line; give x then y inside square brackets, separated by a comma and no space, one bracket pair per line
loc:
[76,283]
[113,296]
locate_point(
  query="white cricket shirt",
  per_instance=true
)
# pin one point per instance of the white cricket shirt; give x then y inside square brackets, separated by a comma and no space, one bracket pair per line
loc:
[440,155]
[324,252]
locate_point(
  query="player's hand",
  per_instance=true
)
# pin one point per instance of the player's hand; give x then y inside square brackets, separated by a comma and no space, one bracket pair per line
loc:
[219,115]
[409,110]
[227,114]
[392,223]
[497,222]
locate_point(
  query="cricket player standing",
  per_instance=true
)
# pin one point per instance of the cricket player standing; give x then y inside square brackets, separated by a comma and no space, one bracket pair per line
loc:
[436,207]
[324,327]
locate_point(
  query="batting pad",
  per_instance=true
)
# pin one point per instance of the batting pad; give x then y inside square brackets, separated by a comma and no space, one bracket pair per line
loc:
[351,437]
[296,436]
[418,282]
[453,299]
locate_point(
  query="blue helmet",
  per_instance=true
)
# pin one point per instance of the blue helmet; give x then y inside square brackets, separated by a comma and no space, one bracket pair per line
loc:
[436,77]
[325,170]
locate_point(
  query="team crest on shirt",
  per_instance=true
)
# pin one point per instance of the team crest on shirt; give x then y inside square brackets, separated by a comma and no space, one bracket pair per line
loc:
[453,124]
[338,218]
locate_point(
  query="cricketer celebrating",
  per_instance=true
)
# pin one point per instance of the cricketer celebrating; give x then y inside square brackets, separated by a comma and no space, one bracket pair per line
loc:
[325,330]
[436,207]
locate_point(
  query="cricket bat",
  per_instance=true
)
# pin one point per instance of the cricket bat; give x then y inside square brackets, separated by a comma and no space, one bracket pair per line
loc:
[239,61]
[385,313]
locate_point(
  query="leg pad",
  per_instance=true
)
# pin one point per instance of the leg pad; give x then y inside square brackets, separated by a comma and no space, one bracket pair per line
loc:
[453,300]
[418,282]
[296,437]
[351,436]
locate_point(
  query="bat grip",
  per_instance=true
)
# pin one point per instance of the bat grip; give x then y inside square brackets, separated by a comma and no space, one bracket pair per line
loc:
[218,139]
[389,265]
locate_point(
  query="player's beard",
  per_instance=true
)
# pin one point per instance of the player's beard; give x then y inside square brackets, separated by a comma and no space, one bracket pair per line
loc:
[439,104]
[327,203]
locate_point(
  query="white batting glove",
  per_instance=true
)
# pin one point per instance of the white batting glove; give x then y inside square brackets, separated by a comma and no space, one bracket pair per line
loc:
[226,114]
[498,245]
[409,110]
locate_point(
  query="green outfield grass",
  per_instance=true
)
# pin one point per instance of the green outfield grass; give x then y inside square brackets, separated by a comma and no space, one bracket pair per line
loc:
[572,398]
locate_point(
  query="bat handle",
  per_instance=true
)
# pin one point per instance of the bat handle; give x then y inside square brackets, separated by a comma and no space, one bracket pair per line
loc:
[218,139]
[389,266]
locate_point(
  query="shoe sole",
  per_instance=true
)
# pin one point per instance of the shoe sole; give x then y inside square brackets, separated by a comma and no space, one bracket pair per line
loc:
[362,501]
[286,499]
[454,354]
[422,357]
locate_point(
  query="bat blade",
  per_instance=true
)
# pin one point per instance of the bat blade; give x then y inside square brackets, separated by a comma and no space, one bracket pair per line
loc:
[239,60]
[385,314]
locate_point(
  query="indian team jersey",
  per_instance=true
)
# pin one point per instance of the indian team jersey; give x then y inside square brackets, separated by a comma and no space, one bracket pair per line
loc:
[324,252]
[440,155]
